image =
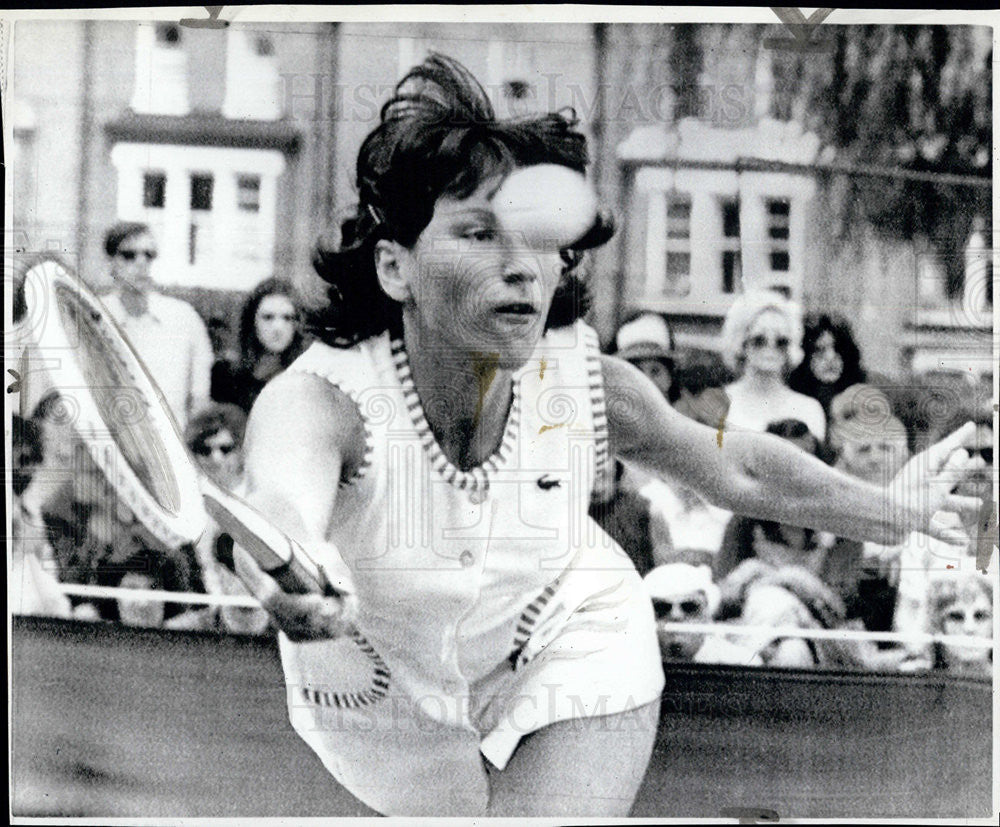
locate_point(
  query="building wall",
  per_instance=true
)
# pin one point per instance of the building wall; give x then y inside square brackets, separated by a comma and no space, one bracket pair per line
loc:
[45,67]
[77,77]
[73,78]
[724,82]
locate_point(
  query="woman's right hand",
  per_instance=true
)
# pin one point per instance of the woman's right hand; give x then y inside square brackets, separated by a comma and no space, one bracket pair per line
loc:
[302,617]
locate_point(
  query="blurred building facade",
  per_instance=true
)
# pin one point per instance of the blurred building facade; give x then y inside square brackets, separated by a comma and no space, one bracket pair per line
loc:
[237,145]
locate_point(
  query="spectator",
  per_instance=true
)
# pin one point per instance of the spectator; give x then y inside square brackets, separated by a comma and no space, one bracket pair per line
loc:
[872,450]
[794,597]
[226,356]
[75,504]
[26,452]
[700,380]
[921,560]
[682,593]
[860,414]
[866,575]
[647,342]
[167,333]
[980,482]
[695,525]
[761,340]
[270,340]
[771,543]
[626,515]
[831,361]
[91,530]
[32,588]
[962,604]
[684,527]
[215,437]
[152,569]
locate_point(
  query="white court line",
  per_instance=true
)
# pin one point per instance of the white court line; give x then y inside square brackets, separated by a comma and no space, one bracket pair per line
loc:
[736,630]
[157,596]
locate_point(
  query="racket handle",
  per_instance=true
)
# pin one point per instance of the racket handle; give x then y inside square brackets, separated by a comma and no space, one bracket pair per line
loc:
[292,577]
[274,551]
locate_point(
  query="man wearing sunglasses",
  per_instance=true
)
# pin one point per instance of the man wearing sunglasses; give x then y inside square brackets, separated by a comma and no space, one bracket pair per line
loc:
[682,593]
[167,333]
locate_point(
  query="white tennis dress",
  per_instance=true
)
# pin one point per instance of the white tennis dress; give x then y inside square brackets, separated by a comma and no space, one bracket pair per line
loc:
[490,604]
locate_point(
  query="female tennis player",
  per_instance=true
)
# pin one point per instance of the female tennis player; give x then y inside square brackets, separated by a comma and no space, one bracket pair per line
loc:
[490,651]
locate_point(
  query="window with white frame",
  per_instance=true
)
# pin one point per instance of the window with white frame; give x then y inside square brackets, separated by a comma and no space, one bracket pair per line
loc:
[161,66]
[412,50]
[212,209]
[678,246]
[168,35]
[154,190]
[200,240]
[248,193]
[509,68]
[731,262]
[779,234]
[709,235]
[263,45]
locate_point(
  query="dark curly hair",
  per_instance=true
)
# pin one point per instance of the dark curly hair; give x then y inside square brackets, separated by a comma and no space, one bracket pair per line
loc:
[251,348]
[438,136]
[802,378]
[211,420]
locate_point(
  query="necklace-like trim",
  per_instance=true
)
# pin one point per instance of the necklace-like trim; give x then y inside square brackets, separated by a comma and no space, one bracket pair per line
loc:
[477,478]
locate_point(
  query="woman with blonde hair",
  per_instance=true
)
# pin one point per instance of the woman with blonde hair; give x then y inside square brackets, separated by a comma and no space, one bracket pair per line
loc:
[762,343]
[962,604]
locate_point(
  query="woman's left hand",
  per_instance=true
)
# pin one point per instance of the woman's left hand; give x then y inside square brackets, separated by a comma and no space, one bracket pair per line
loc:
[921,494]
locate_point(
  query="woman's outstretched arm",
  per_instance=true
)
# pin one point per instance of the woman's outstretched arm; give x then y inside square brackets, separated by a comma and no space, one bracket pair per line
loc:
[301,433]
[763,476]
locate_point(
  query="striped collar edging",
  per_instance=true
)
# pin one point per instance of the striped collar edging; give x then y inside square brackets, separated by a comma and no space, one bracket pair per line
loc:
[475,478]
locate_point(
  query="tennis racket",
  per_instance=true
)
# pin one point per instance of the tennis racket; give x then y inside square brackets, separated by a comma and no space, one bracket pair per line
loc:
[123,420]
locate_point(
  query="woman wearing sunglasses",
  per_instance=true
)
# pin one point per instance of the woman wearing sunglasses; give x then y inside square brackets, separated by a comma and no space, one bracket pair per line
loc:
[762,342]
[215,438]
[961,603]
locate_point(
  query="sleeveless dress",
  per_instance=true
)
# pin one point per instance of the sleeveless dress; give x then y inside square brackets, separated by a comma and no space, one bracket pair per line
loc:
[490,604]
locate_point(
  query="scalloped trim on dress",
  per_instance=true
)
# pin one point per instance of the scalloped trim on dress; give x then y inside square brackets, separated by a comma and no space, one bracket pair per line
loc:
[366,460]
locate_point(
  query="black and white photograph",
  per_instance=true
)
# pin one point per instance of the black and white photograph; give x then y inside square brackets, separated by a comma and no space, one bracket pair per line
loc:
[561,412]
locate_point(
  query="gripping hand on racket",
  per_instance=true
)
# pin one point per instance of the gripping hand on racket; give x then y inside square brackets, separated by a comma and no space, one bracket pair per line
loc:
[304,616]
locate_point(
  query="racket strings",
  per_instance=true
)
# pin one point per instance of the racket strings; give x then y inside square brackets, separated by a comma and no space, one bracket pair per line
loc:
[126,414]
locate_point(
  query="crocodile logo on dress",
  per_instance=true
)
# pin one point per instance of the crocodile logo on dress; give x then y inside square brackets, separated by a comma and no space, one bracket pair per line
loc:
[545,482]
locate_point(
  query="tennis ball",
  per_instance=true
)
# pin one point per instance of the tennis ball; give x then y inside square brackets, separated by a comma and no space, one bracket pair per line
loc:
[548,205]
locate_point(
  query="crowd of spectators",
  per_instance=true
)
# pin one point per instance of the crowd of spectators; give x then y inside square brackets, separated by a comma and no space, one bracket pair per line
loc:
[801,378]
[797,378]
[71,527]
